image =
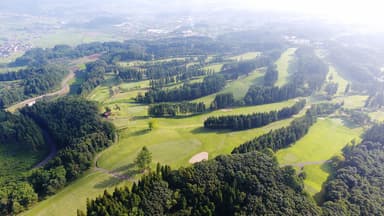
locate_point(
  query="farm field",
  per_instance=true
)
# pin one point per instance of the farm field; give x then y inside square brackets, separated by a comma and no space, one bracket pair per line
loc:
[324,140]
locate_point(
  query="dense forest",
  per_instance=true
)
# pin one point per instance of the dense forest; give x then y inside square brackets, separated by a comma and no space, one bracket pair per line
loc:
[223,100]
[94,75]
[188,91]
[356,186]
[309,75]
[243,184]
[75,127]
[243,122]
[20,132]
[34,81]
[177,109]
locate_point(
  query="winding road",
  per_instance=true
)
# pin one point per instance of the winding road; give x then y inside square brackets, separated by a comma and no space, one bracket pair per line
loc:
[63,91]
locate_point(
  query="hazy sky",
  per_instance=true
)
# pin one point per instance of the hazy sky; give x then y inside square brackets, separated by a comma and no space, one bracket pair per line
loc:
[353,11]
[368,12]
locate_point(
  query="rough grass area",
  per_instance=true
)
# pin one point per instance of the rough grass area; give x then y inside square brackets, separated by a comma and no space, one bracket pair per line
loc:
[325,139]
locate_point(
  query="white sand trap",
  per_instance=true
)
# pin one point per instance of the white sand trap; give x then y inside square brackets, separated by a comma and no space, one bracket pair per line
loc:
[226,110]
[199,157]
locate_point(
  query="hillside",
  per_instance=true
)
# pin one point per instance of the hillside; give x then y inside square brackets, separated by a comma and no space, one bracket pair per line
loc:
[266,112]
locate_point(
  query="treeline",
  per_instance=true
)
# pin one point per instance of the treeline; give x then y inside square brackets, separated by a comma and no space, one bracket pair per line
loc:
[257,95]
[356,186]
[79,133]
[169,109]
[223,101]
[10,96]
[42,80]
[20,132]
[94,76]
[309,76]
[271,75]
[311,71]
[125,51]
[188,91]
[284,137]
[33,81]
[20,137]
[243,122]
[244,184]
[234,70]
[163,73]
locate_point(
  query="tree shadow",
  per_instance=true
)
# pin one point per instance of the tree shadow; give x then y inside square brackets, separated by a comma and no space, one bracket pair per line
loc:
[201,130]
[348,123]
[139,118]
[110,182]
[140,132]
[319,197]
[124,168]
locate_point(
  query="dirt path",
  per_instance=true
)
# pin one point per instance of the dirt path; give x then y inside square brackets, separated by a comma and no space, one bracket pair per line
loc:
[109,172]
[53,150]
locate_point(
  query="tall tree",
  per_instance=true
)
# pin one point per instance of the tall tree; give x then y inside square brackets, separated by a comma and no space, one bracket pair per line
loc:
[144,159]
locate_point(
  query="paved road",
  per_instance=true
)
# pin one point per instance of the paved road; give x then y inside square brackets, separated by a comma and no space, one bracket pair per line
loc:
[63,91]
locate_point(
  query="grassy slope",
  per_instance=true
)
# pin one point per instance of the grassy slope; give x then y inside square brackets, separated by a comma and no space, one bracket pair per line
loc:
[324,140]
[239,87]
[283,66]
[245,56]
[173,142]
[336,77]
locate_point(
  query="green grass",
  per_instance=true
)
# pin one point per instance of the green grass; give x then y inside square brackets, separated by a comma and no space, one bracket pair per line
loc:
[74,196]
[238,87]
[216,67]
[174,141]
[325,139]
[338,79]
[283,66]
[377,116]
[353,101]
[245,56]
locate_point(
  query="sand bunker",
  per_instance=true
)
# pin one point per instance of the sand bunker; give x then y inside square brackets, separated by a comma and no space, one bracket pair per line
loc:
[199,157]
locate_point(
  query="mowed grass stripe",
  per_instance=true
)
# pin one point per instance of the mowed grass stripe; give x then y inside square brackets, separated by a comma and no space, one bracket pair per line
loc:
[283,64]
